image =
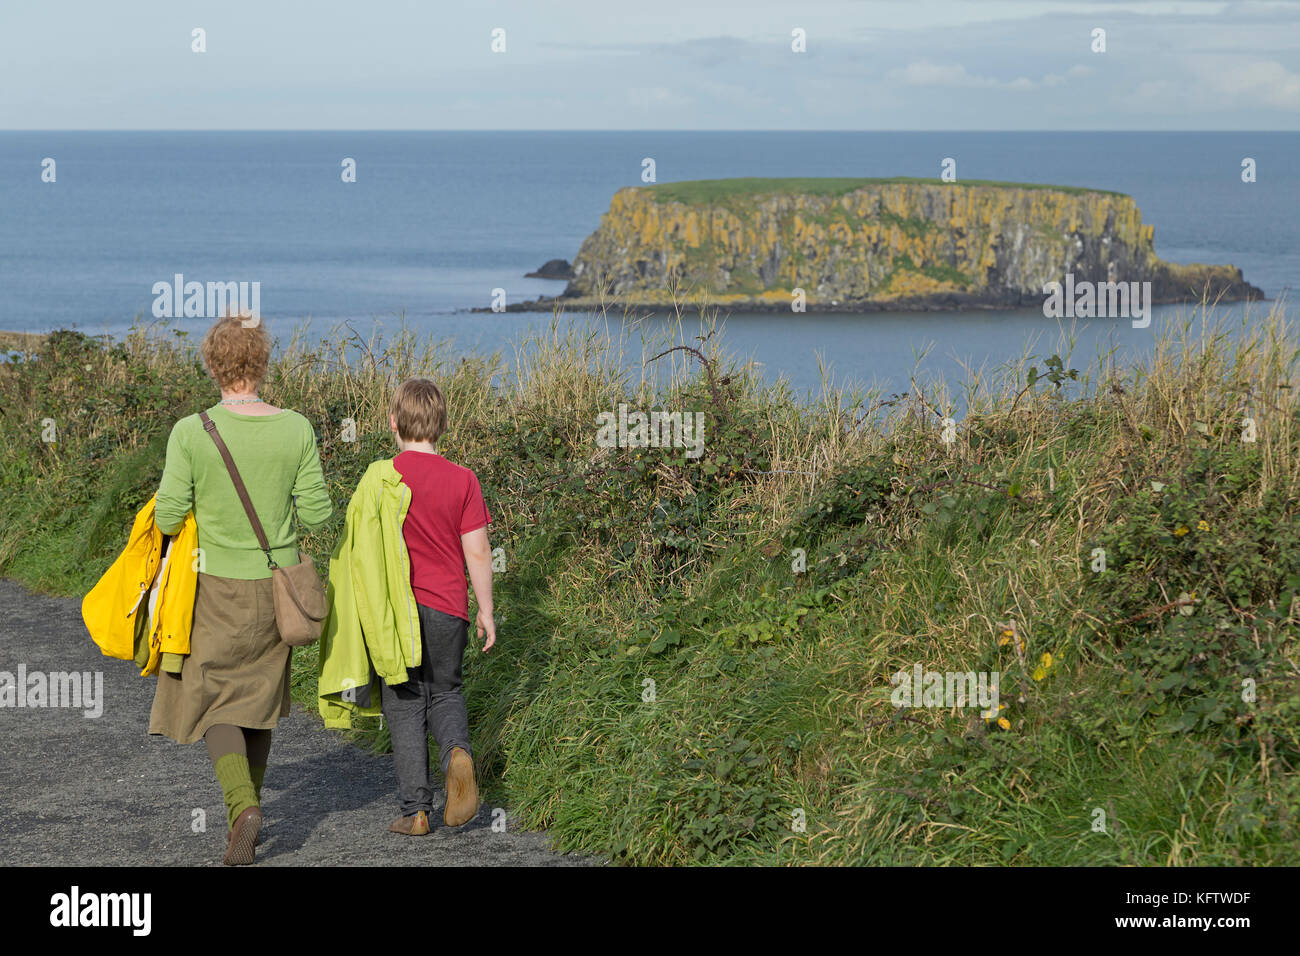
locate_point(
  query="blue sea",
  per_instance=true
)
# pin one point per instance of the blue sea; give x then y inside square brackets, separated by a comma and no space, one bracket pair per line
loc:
[436,220]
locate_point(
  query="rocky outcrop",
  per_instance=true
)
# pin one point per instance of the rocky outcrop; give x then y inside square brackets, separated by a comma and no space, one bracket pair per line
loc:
[857,245]
[552,269]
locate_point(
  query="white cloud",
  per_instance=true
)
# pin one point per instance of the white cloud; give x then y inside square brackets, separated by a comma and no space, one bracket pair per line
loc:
[1220,83]
[1252,82]
[1057,79]
[656,97]
[1154,89]
[955,75]
[925,73]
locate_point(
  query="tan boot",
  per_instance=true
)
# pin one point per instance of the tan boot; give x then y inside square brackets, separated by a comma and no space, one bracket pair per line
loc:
[417,825]
[462,790]
[243,837]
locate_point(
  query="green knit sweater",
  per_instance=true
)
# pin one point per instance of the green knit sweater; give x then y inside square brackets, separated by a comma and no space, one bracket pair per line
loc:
[277,458]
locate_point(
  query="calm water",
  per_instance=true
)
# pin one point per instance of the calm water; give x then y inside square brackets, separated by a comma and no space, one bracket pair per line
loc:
[437,220]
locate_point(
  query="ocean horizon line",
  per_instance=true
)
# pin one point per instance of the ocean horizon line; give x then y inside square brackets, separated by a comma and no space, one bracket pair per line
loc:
[622,130]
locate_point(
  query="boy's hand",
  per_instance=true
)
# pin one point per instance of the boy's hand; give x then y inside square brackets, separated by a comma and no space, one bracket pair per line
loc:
[489,627]
[478,561]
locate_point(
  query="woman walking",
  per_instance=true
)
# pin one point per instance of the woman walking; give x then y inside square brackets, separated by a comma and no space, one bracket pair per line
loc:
[233,686]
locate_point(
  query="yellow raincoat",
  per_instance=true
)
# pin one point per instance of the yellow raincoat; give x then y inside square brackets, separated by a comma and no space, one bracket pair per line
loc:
[143,578]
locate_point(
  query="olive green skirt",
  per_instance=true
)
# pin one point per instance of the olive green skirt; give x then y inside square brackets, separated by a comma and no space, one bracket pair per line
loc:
[237,671]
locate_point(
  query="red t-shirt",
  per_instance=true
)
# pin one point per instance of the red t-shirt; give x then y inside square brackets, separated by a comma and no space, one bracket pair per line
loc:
[446,502]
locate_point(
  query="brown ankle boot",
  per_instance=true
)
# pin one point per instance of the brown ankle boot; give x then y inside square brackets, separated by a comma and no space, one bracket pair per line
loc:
[416,825]
[462,790]
[243,837]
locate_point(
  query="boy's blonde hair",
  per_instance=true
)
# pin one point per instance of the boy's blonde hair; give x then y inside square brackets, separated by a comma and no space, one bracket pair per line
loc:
[420,410]
[236,353]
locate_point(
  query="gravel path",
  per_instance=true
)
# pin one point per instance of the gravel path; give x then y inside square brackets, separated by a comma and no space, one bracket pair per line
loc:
[82,791]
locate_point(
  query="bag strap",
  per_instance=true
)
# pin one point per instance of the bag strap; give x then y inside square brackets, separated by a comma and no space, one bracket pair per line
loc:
[211,428]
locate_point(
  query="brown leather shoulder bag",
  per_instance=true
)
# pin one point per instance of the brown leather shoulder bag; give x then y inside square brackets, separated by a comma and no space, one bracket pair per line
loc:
[300,605]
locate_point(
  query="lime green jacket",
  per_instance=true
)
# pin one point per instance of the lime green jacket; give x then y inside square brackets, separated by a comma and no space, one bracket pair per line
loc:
[372,631]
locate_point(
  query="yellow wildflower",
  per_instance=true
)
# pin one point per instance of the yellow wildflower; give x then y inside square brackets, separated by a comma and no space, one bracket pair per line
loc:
[1044,665]
[1202,525]
[1004,723]
[1181,530]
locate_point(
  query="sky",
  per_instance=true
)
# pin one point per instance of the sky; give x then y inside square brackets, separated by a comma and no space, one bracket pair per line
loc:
[655,64]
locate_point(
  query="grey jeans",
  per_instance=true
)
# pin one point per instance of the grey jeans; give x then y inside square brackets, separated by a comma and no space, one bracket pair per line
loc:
[429,703]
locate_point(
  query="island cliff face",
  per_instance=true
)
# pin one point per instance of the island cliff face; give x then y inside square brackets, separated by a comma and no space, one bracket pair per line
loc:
[869,244]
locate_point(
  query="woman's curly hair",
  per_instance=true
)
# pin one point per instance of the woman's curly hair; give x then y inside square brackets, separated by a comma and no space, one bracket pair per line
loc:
[236,351]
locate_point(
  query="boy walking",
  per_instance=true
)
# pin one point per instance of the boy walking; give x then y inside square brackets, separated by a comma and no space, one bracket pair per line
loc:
[399,609]
[445,533]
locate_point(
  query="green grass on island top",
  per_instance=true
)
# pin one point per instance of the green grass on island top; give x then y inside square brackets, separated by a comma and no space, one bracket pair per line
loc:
[710,190]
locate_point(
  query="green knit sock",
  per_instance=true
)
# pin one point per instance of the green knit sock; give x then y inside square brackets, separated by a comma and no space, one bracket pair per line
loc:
[236,785]
[258,774]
